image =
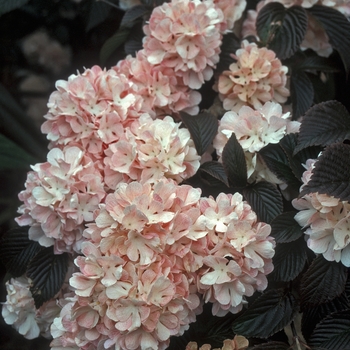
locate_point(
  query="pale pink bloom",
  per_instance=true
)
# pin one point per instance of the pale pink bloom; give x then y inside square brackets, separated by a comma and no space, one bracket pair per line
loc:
[153,149]
[163,92]
[185,35]
[232,11]
[257,77]
[19,310]
[237,343]
[60,196]
[327,221]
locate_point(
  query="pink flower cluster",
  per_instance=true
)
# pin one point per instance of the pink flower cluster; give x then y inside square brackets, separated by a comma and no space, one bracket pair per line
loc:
[185,36]
[257,77]
[60,197]
[255,129]
[327,220]
[151,252]
[19,310]
[237,343]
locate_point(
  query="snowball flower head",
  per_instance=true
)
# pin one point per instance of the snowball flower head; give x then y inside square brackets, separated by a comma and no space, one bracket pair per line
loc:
[185,35]
[327,220]
[232,10]
[150,150]
[237,343]
[19,310]
[257,77]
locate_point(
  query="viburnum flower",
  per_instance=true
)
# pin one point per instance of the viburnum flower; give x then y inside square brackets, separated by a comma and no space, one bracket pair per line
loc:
[255,129]
[150,150]
[19,310]
[257,77]
[163,91]
[232,11]
[185,36]
[237,343]
[91,109]
[327,220]
[60,197]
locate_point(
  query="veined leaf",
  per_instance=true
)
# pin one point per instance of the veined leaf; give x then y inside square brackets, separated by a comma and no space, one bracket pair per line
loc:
[337,28]
[282,30]
[267,315]
[234,162]
[133,14]
[323,281]
[202,127]
[333,332]
[215,170]
[289,260]
[331,173]
[47,271]
[111,44]
[285,229]
[323,124]
[230,44]
[265,200]
[271,345]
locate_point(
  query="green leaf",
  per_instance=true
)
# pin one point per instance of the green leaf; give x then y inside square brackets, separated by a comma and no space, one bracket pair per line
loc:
[133,43]
[268,314]
[133,14]
[282,30]
[277,161]
[289,260]
[12,156]
[112,44]
[301,93]
[323,281]
[333,332]
[323,124]
[16,250]
[215,170]
[202,127]
[337,28]
[285,229]
[331,174]
[98,13]
[312,316]
[9,5]
[233,160]
[47,271]
[265,200]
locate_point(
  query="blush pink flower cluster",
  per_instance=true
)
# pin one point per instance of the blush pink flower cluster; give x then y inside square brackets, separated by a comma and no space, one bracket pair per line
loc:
[327,220]
[255,129]
[185,36]
[152,251]
[232,11]
[60,197]
[237,343]
[257,77]
[19,310]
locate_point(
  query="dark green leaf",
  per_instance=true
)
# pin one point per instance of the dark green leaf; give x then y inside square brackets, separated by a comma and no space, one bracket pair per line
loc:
[323,281]
[318,63]
[277,161]
[230,44]
[289,260]
[281,29]
[271,345]
[333,332]
[302,93]
[111,44]
[331,174]
[265,200]
[285,229]
[133,43]
[312,316]
[268,314]
[47,272]
[215,170]
[202,127]
[323,124]
[133,14]
[12,156]
[16,250]
[337,28]
[234,162]
[9,5]
[99,12]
